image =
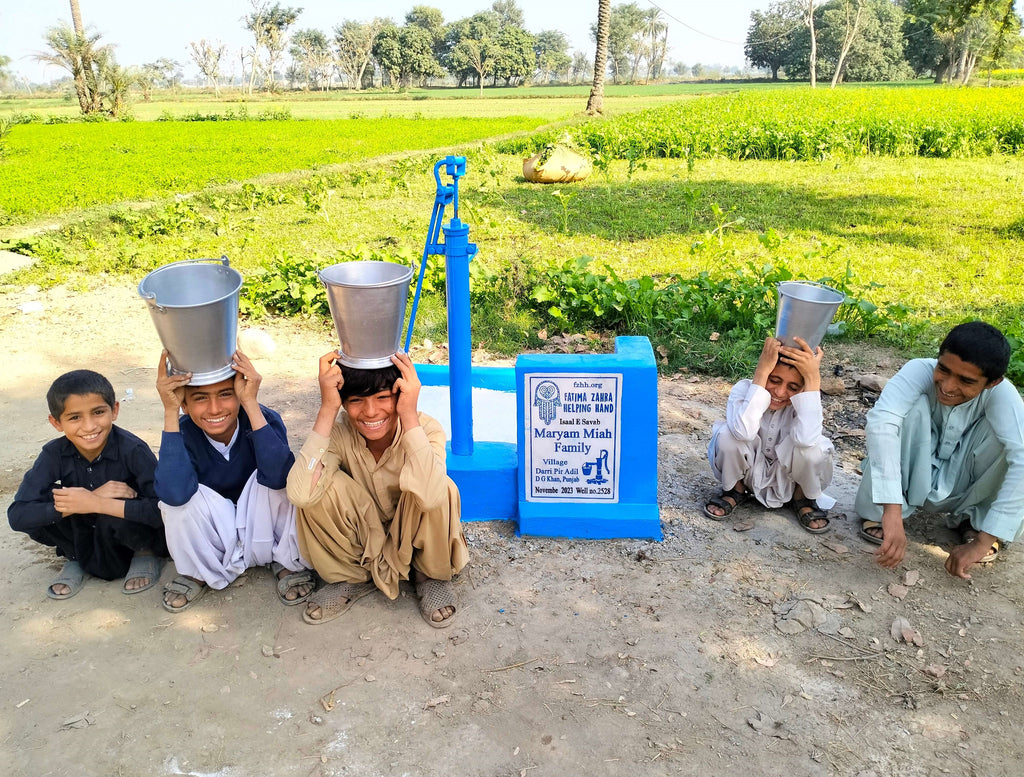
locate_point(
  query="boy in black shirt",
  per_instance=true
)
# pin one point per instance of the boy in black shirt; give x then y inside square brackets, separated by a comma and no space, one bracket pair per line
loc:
[90,493]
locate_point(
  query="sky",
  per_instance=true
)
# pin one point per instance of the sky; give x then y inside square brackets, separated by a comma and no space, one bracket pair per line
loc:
[699,31]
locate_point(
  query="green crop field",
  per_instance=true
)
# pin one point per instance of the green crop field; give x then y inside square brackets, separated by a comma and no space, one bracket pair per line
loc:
[910,199]
[51,168]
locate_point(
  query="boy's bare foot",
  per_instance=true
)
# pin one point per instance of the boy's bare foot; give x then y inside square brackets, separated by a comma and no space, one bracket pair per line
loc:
[333,600]
[437,600]
[143,572]
[295,591]
[182,592]
[69,582]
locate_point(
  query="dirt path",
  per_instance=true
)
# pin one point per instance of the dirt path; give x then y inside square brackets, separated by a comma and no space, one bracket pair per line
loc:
[568,658]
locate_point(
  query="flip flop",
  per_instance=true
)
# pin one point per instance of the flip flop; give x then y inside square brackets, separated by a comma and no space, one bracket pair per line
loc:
[969,535]
[290,581]
[435,594]
[738,498]
[864,526]
[815,513]
[335,599]
[192,590]
[142,566]
[72,575]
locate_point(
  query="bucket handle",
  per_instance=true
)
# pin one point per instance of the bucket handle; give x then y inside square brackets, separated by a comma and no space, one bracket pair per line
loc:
[150,297]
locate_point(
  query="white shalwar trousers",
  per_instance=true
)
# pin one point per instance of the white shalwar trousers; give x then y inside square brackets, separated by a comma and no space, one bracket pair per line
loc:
[212,540]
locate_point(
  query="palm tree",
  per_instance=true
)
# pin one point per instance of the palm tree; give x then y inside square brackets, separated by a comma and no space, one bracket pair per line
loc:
[83,59]
[595,104]
[76,19]
[654,26]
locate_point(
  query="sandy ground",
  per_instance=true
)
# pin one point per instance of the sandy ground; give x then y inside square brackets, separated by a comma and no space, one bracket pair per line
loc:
[685,656]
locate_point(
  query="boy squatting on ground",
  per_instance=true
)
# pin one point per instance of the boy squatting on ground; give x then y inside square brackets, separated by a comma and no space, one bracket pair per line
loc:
[375,504]
[770,445]
[947,435]
[221,478]
[90,493]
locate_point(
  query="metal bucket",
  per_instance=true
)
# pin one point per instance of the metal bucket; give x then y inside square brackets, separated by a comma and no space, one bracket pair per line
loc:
[367,301]
[194,306]
[805,310]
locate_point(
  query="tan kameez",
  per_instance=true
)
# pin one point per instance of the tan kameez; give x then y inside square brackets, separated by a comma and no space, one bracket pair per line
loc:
[367,519]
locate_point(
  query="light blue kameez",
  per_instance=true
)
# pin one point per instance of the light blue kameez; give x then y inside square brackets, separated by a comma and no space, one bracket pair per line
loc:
[966,460]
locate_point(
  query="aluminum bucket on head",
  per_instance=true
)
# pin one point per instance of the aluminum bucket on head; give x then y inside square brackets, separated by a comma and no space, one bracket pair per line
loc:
[367,301]
[805,310]
[194,306]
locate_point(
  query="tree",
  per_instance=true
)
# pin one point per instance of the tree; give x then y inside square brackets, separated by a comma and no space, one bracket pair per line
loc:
[406,55]
[582,69]
[477,53]
[878,52]
[625,40]
[812,60]
[207,57]
[83,58]
[595,103]
[118,82]
[514,57]
[770,38]
[353,48]
[5,73]
[269,26]
[852,19]
[552,51]
[946,37]
[509,13]
[481,28]
[312,54]
[163,72]
[432,20]
[656,33]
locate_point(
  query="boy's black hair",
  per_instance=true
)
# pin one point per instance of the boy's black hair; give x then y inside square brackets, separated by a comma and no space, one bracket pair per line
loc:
[365,383]
[77,382]
[982,345]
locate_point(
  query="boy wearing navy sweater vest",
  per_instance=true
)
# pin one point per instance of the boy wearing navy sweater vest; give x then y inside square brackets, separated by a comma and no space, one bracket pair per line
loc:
[220,479]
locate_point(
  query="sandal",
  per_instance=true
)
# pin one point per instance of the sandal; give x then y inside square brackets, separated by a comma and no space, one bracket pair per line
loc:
[72,575]
[865,525]
[290,581]
[814,513]
[335,599]
[192,590]
[435,595]
[737,497]
[146,565]
[969,534]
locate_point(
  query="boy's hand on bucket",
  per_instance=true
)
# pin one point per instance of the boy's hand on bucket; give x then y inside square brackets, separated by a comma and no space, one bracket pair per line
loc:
[407,390]
[806,362]
[766,361]
[331,380]
[247,380]
[171,388]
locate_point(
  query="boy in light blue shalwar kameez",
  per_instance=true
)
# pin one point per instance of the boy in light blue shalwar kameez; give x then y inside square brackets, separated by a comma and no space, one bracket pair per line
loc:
[947,435]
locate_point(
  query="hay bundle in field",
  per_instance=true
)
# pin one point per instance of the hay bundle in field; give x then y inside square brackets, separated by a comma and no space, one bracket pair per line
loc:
[556,165]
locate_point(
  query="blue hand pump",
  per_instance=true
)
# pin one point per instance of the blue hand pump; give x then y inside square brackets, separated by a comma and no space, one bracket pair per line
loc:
[457,251]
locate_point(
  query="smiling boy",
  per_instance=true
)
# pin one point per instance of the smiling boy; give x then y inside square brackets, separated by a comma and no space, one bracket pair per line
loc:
[220,479]
[947,435]
[770,445]
[375,504]
[90,493]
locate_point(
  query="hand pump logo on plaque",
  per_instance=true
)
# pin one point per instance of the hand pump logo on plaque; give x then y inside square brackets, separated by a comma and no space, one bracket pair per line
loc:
[572,449]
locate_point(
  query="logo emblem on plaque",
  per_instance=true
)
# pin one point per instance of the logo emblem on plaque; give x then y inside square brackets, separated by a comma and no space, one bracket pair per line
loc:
[547,398]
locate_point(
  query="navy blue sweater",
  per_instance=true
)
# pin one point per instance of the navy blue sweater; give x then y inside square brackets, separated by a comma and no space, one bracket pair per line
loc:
[187,459]
[124,458]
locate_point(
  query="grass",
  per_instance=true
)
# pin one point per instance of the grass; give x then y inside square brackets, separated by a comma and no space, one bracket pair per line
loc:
[91,164]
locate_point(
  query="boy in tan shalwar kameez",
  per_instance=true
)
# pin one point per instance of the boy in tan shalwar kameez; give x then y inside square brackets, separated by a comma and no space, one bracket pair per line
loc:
[374,503]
